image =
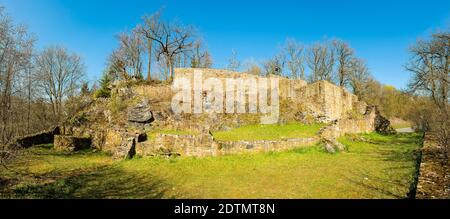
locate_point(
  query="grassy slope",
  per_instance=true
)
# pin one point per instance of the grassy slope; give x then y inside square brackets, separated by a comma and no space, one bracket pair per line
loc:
[376,167]
[269,132]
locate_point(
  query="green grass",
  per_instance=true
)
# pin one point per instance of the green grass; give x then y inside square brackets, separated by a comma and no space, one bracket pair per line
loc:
[269,132]
[375,166]
[401,126]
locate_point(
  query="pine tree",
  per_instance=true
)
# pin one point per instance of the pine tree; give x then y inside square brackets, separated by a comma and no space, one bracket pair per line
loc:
[105,81]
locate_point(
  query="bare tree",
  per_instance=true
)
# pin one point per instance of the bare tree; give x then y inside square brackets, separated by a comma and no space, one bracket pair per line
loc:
[207,60]
[200,56]
[21,112]
[125,62]
[150,24]
[163,69]
[16,47]
[59,75]
[358,77]
[172,39]
[197,55]
[252,67]
[320,60]
[294,59]
[344,56]
[275,65]
[233,63]
[131,50]
[117,68]
[430,67]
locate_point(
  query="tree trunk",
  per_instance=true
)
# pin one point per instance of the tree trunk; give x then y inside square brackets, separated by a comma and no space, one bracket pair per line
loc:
[149,64]
[170,69]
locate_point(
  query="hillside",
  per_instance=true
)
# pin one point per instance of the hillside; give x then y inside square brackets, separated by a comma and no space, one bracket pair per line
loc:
[139,119]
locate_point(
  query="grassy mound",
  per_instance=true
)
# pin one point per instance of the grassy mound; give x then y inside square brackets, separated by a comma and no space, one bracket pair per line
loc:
[269,132]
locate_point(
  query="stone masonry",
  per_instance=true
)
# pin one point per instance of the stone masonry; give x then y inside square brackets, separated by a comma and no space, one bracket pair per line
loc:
[324,100]
[150,109]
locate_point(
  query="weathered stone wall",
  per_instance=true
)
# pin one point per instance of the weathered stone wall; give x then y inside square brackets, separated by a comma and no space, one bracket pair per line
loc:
[205,145]
[149,108]
[155,94]
[71,143]
[365,124]
[240,147]
[121,143]
[45,137]
[287,87]
[325,101]
[183,145]
[371,121]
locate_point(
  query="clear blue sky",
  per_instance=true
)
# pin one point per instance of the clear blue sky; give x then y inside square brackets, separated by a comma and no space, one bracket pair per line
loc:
[380,31]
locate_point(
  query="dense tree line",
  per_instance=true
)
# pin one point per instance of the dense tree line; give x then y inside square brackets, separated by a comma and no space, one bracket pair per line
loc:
[36,87]
[430,68]
[332,60]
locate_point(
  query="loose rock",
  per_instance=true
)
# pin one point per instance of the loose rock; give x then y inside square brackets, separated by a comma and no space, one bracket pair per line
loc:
[141,113]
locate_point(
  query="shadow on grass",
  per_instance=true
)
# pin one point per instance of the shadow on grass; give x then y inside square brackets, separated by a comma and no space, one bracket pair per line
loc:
[76,181]
[97,183]
[376,184]
[399,148]
[395,148]
[47,150]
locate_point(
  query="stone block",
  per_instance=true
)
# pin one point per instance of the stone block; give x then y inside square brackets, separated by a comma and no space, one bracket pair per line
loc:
[140,113]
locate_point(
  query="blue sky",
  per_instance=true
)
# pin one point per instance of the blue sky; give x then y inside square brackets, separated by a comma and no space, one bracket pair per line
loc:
[380,31]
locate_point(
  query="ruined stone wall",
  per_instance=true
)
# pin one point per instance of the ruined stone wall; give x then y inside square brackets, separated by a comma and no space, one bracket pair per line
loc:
[323,100]
[327,100]
[45,137]
[287,86]
[123,137]
[364,124]
[70,143]
[121,143]
[204,145]
[241,147]
[183,145]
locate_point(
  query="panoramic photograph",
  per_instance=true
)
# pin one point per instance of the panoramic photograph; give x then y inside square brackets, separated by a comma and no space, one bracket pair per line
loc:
[234,100]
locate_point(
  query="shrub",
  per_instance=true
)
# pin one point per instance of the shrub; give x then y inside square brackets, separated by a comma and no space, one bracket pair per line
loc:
[102,93]
[117,105]
[78,120]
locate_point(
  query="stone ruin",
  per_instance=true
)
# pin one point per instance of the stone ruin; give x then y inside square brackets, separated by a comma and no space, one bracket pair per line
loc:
[71,143]
[45,137]
[124,133]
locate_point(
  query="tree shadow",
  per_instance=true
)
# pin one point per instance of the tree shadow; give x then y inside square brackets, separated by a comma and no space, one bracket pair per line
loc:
[394,151]
[97,183]
[374,183]
[102,181]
